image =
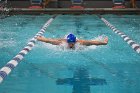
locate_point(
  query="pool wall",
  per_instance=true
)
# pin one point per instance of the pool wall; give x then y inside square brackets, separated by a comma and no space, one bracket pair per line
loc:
[67,3]
[73,11]
[63,7]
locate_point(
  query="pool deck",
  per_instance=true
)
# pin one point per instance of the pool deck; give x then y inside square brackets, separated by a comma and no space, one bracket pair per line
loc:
[74,11]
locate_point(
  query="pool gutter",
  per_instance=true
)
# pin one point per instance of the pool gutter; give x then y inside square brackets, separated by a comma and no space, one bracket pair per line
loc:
[74,11]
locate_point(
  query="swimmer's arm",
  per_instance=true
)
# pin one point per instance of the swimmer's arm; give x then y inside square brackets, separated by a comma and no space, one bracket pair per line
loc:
[93,42]
[47,40]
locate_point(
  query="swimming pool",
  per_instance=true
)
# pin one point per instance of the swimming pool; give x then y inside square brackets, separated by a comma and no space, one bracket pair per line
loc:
[50,69]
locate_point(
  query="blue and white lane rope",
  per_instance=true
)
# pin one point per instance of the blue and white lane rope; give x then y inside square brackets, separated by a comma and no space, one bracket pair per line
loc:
[127,39]
[14,62]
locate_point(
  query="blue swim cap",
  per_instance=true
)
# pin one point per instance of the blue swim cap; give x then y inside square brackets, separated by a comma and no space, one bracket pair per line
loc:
[71,38]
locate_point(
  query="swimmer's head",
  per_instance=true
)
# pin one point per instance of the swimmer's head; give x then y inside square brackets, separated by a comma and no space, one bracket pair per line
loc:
[71,40]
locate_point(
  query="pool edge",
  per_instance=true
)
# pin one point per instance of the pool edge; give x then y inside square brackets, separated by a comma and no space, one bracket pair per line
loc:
[74,11]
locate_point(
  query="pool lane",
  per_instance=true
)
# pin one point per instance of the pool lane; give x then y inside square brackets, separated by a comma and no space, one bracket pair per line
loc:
[45,64]
[126,38]
[14,62]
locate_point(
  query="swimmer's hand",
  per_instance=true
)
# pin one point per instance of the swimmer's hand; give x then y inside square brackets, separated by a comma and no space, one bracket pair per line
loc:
[40,38]
[105,40]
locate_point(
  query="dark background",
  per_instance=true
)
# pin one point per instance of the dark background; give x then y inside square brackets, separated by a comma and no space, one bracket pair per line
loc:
[68,3]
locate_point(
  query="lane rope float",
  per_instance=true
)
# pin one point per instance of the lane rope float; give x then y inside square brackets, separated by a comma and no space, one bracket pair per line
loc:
[126,38]
[16,60]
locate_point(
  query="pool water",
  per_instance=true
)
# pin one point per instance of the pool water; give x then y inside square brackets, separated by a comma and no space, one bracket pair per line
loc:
[50,69]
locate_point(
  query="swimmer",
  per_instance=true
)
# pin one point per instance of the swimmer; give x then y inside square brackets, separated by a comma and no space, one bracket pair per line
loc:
[71,41]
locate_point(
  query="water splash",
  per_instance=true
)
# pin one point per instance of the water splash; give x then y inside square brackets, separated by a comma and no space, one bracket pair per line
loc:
[100,38]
